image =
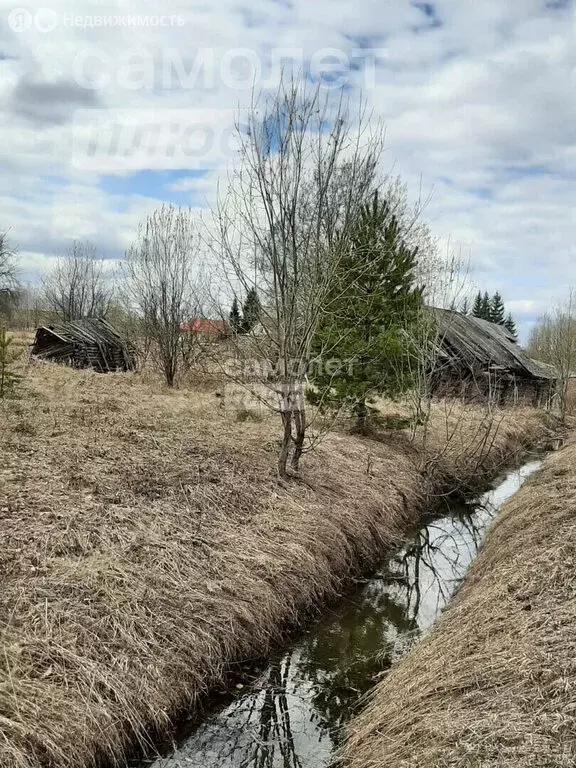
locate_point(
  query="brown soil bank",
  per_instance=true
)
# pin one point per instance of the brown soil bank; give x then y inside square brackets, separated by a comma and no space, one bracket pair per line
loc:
[146,546]
[494,683]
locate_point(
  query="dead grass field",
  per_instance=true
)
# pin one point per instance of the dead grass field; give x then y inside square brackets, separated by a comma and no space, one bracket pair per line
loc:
[147,545]
[494,683]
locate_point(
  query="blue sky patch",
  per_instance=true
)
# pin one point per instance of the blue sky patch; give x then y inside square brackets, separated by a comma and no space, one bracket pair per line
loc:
[158,185]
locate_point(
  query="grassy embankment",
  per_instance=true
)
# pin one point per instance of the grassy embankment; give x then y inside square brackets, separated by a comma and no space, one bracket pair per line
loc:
[494,683]
[147,545]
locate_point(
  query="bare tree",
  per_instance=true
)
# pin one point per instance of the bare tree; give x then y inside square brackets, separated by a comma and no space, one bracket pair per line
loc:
[283,229]
[447,281]
[79,286]
[553,341]
[161,281]
[9,287]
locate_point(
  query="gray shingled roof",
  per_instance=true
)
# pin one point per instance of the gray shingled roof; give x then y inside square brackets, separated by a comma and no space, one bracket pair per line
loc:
[478,343]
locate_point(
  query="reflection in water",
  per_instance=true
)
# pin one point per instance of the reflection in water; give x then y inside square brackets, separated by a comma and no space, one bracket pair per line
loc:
[292,717]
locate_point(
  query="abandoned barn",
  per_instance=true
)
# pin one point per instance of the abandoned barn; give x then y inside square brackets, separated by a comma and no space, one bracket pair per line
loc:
[87,343]
[476,360]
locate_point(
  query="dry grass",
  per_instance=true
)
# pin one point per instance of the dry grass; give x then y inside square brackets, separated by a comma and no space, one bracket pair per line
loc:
[147,545]
[571,398]
[494,683]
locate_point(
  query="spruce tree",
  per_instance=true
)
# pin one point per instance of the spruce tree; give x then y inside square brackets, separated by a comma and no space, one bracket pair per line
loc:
[497,310]
[234,319]
[477,308]
[510,325]
[251,310]
[486,309]
[492,309]
[373,302]
[465,308]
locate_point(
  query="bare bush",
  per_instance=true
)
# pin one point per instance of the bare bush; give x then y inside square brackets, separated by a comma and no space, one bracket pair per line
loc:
[161,282]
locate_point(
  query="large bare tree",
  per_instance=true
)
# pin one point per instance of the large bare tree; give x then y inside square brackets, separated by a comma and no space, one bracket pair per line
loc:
[283,228]
[79,284]
[161,282]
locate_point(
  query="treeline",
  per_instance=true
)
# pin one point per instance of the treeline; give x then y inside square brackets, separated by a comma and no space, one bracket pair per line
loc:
[490,308]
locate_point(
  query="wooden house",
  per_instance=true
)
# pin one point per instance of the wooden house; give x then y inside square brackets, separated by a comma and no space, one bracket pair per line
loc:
[87,343]
[478,360]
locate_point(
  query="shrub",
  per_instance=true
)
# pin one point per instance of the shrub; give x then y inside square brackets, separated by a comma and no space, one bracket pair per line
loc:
[9,380]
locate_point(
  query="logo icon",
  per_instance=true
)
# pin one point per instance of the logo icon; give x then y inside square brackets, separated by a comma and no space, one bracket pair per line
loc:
[20,20]
[46,20]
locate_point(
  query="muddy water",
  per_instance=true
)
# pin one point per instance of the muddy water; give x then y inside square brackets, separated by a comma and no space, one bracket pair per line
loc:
[292,716]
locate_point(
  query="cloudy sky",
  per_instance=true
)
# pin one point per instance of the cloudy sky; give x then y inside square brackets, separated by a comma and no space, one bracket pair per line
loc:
[477,95]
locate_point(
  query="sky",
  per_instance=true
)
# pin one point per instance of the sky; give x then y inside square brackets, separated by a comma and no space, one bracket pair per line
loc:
[109,109]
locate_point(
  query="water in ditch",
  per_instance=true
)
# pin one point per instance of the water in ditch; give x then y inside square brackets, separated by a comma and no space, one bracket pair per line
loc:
[292,716]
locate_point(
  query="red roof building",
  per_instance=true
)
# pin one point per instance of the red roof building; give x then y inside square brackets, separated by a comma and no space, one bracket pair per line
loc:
[209,327]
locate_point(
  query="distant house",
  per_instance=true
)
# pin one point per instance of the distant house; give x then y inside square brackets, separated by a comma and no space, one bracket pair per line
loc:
[476,360]
[87,343]
[207,328]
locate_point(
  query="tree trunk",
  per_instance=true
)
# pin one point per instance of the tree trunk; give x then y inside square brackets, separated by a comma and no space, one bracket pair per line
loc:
[300,423]
[169,370]
[285,447]
[361,412]
[563,399]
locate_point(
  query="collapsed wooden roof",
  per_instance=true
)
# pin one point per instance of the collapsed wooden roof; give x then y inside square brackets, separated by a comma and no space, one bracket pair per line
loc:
[87,343]
[476,343]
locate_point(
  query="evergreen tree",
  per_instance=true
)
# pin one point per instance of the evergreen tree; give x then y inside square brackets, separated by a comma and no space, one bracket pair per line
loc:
[465,309]
[477,308]
[486,309]
[482,306]
[373,302]
[497,310]
[251,310]
[494,310]
[234,319]
[510,325]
